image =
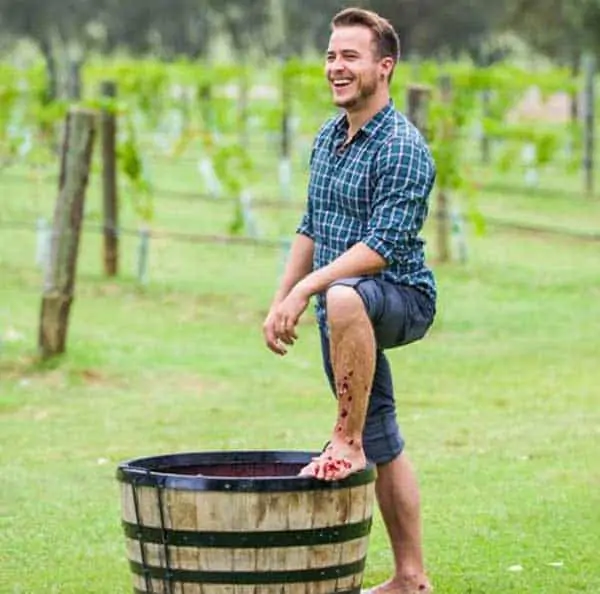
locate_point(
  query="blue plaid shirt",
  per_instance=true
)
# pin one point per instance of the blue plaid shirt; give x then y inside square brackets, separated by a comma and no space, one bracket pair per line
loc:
[373,191]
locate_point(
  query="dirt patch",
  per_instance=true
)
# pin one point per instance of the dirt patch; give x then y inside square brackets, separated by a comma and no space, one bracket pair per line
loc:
[95,377]
[109,290]
[182,383]
[30,370]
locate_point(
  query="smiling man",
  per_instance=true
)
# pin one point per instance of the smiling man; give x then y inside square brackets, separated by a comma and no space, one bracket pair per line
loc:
[358,250]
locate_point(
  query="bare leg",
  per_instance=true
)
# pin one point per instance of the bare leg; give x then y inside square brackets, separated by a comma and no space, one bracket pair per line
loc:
[353,360]
[398,497]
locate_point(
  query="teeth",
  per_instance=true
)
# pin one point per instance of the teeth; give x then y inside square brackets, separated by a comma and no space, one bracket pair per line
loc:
[342,81]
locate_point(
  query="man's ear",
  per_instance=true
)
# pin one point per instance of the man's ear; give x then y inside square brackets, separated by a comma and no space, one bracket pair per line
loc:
[388,66]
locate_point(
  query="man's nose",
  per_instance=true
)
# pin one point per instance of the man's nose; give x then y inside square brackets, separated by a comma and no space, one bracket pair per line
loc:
[337,64]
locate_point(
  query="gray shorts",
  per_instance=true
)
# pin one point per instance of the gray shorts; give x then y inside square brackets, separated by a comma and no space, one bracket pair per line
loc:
[400,315]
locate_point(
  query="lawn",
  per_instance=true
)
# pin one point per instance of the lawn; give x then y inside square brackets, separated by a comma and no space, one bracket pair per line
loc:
[500,404]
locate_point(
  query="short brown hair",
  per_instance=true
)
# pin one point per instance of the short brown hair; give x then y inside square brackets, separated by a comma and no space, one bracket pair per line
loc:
[385,38]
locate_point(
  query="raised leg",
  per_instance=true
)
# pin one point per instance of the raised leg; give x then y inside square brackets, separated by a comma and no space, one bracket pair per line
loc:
[353,360]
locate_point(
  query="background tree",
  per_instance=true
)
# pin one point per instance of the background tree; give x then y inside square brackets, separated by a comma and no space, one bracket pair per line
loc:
[53,25]
[432,28]
[168,28]
[560,29]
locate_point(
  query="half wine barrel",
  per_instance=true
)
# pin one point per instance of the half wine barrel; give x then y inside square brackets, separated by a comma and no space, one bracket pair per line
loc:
[243,523]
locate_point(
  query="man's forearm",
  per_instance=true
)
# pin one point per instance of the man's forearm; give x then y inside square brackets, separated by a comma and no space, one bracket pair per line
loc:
[299,265]
[359,260]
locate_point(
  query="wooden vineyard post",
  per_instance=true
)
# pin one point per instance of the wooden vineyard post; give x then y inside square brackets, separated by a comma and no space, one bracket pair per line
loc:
[285,155]
[417,101]
[74,80]
[59,282]
[485,139]
[589,68]
[108,122]
[243,106]
[285,166]
[574,94]
[442,214]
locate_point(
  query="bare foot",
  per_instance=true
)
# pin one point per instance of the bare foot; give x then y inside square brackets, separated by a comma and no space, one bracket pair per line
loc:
[339,460]
[408,585]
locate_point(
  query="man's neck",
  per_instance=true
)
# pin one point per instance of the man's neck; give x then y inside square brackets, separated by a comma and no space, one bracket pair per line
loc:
[357,119]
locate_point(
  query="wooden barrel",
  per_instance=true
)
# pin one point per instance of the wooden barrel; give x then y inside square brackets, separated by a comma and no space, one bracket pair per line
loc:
[243,523]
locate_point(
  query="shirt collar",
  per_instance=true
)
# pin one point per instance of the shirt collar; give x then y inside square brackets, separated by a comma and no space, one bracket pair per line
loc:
[369,127]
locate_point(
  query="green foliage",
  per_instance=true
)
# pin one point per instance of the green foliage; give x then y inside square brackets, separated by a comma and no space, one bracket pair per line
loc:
[233,167]
[8,98]
[510,156]
[24,112]
[137,181]
[207,96]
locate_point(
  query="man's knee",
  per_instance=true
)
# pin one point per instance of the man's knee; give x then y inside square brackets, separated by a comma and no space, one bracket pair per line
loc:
[344,304]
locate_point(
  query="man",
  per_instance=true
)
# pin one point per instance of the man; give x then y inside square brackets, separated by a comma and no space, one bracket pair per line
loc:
[357,250]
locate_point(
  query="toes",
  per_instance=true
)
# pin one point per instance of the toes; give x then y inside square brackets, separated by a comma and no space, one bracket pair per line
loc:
[328,467]
[321,471]
[310,469]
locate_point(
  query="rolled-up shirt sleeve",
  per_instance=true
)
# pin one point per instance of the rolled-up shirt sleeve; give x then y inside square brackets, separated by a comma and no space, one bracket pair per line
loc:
[305,227]
[404,175]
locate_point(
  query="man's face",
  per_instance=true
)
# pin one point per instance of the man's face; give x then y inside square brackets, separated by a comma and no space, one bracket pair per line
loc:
[352,69]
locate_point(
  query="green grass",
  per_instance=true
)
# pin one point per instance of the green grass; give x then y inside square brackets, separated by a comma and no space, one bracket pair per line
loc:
[499,405]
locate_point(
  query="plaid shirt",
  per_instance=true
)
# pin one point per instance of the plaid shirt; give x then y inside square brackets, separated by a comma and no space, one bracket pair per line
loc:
[374,191]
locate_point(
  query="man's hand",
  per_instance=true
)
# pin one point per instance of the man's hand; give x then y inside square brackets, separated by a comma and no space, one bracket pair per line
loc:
[279,328]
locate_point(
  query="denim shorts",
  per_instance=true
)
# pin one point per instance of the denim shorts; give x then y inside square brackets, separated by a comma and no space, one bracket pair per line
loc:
[400,315]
